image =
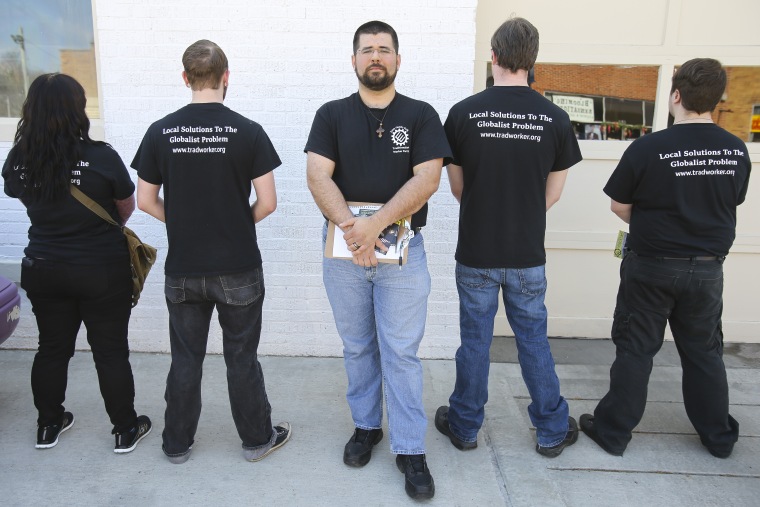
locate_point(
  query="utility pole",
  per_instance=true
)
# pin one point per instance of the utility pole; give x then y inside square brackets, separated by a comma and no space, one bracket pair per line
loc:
[19,39]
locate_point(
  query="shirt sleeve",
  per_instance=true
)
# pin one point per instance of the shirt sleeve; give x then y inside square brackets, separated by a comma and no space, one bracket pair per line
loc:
[621,184]
[123,186]
[429,141]
[265,157]
[449,128]
[569,153]
[7,178]
[745,186]
[322,135]
[145,161]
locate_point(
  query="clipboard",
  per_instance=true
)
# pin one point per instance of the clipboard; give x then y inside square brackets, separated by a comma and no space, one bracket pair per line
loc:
[398,236]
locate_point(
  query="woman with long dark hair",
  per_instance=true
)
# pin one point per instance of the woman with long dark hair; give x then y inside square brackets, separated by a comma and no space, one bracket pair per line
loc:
[76,266]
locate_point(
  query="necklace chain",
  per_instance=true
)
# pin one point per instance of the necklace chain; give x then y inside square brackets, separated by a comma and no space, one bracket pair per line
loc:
[380,128]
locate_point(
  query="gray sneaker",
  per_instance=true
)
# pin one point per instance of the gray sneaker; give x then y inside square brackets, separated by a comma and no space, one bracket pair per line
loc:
[282,431]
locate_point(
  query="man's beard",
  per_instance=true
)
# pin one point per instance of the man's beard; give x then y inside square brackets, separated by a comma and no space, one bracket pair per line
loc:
[376,82]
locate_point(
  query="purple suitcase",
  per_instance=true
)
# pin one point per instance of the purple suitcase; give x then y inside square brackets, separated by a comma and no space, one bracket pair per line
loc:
[10,308]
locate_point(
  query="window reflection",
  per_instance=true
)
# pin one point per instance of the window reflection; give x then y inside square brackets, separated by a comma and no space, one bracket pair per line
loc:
[603,101]
[45,36]
[739,111]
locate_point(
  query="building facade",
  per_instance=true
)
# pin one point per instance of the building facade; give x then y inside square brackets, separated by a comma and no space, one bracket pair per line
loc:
[288,58]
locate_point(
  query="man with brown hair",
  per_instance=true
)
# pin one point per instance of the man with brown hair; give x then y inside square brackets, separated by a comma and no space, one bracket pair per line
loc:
[206,157]
[678,189]
[512,149]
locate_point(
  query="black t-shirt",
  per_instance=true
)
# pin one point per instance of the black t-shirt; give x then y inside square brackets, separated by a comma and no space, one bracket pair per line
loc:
[67,231]
[205,156]
[684,184]
[507,139]
[372,169]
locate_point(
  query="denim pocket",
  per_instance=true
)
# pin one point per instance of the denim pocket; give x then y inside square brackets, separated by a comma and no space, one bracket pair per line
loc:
[472,277]
[243,288]
[532,281]
[174,288]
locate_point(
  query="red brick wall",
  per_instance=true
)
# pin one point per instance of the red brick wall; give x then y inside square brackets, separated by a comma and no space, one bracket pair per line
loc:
[608,80]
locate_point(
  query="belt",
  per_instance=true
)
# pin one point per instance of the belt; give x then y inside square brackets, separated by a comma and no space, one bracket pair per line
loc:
[696,258]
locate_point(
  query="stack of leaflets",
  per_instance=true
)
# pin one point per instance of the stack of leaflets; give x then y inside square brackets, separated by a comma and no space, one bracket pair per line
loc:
[395,238]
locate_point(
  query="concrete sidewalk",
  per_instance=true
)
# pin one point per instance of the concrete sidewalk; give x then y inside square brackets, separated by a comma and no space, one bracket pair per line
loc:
[665,463]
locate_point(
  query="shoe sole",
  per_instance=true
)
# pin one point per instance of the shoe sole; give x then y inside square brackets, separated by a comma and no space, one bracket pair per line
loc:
[411,490]
[362,460]
[274,447]
[132,447]
[459,444]
[54,443]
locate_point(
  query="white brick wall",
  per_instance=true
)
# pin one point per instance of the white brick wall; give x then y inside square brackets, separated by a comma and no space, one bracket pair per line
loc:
[286,59]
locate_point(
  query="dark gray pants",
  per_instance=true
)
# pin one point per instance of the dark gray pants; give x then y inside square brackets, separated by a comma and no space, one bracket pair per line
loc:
[238,299]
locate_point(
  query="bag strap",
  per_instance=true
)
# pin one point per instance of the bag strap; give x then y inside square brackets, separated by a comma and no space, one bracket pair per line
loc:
[92,205]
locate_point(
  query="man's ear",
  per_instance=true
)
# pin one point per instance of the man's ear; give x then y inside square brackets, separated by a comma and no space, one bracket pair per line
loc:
[184,78]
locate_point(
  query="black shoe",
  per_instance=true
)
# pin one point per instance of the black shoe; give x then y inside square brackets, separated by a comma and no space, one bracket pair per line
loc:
[283,431]
[418,482]
[442,425]
[570,438]
[47,436]
[358,450]
[721,453]
[127,441]
[587,426]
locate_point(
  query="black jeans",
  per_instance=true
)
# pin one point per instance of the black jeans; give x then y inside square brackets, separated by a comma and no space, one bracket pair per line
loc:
[63,296]
[687,294]
[238,299]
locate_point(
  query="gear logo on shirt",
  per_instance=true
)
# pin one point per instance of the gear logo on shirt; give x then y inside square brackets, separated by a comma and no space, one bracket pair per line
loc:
[400,139]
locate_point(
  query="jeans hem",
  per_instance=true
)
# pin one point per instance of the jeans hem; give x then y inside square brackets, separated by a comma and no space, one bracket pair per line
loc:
[175,454]
[367,428]
[261,449]
[416,452]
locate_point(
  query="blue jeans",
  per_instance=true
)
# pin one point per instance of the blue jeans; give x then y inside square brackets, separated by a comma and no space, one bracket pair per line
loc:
[380,314]
[238,299]
[688,295]
[523,293]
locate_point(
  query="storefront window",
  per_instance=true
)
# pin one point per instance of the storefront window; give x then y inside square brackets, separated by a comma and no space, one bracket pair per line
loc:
[604,101]
[41,36]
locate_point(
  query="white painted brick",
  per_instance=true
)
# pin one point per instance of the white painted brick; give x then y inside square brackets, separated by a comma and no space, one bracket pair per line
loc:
[286,60]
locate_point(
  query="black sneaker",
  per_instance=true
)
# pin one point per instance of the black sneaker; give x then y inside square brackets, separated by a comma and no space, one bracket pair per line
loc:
[283,435]
[442,425]
[587,426]
[570,438]
[47,436]
[418,482]
[358,450]
[127,441]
